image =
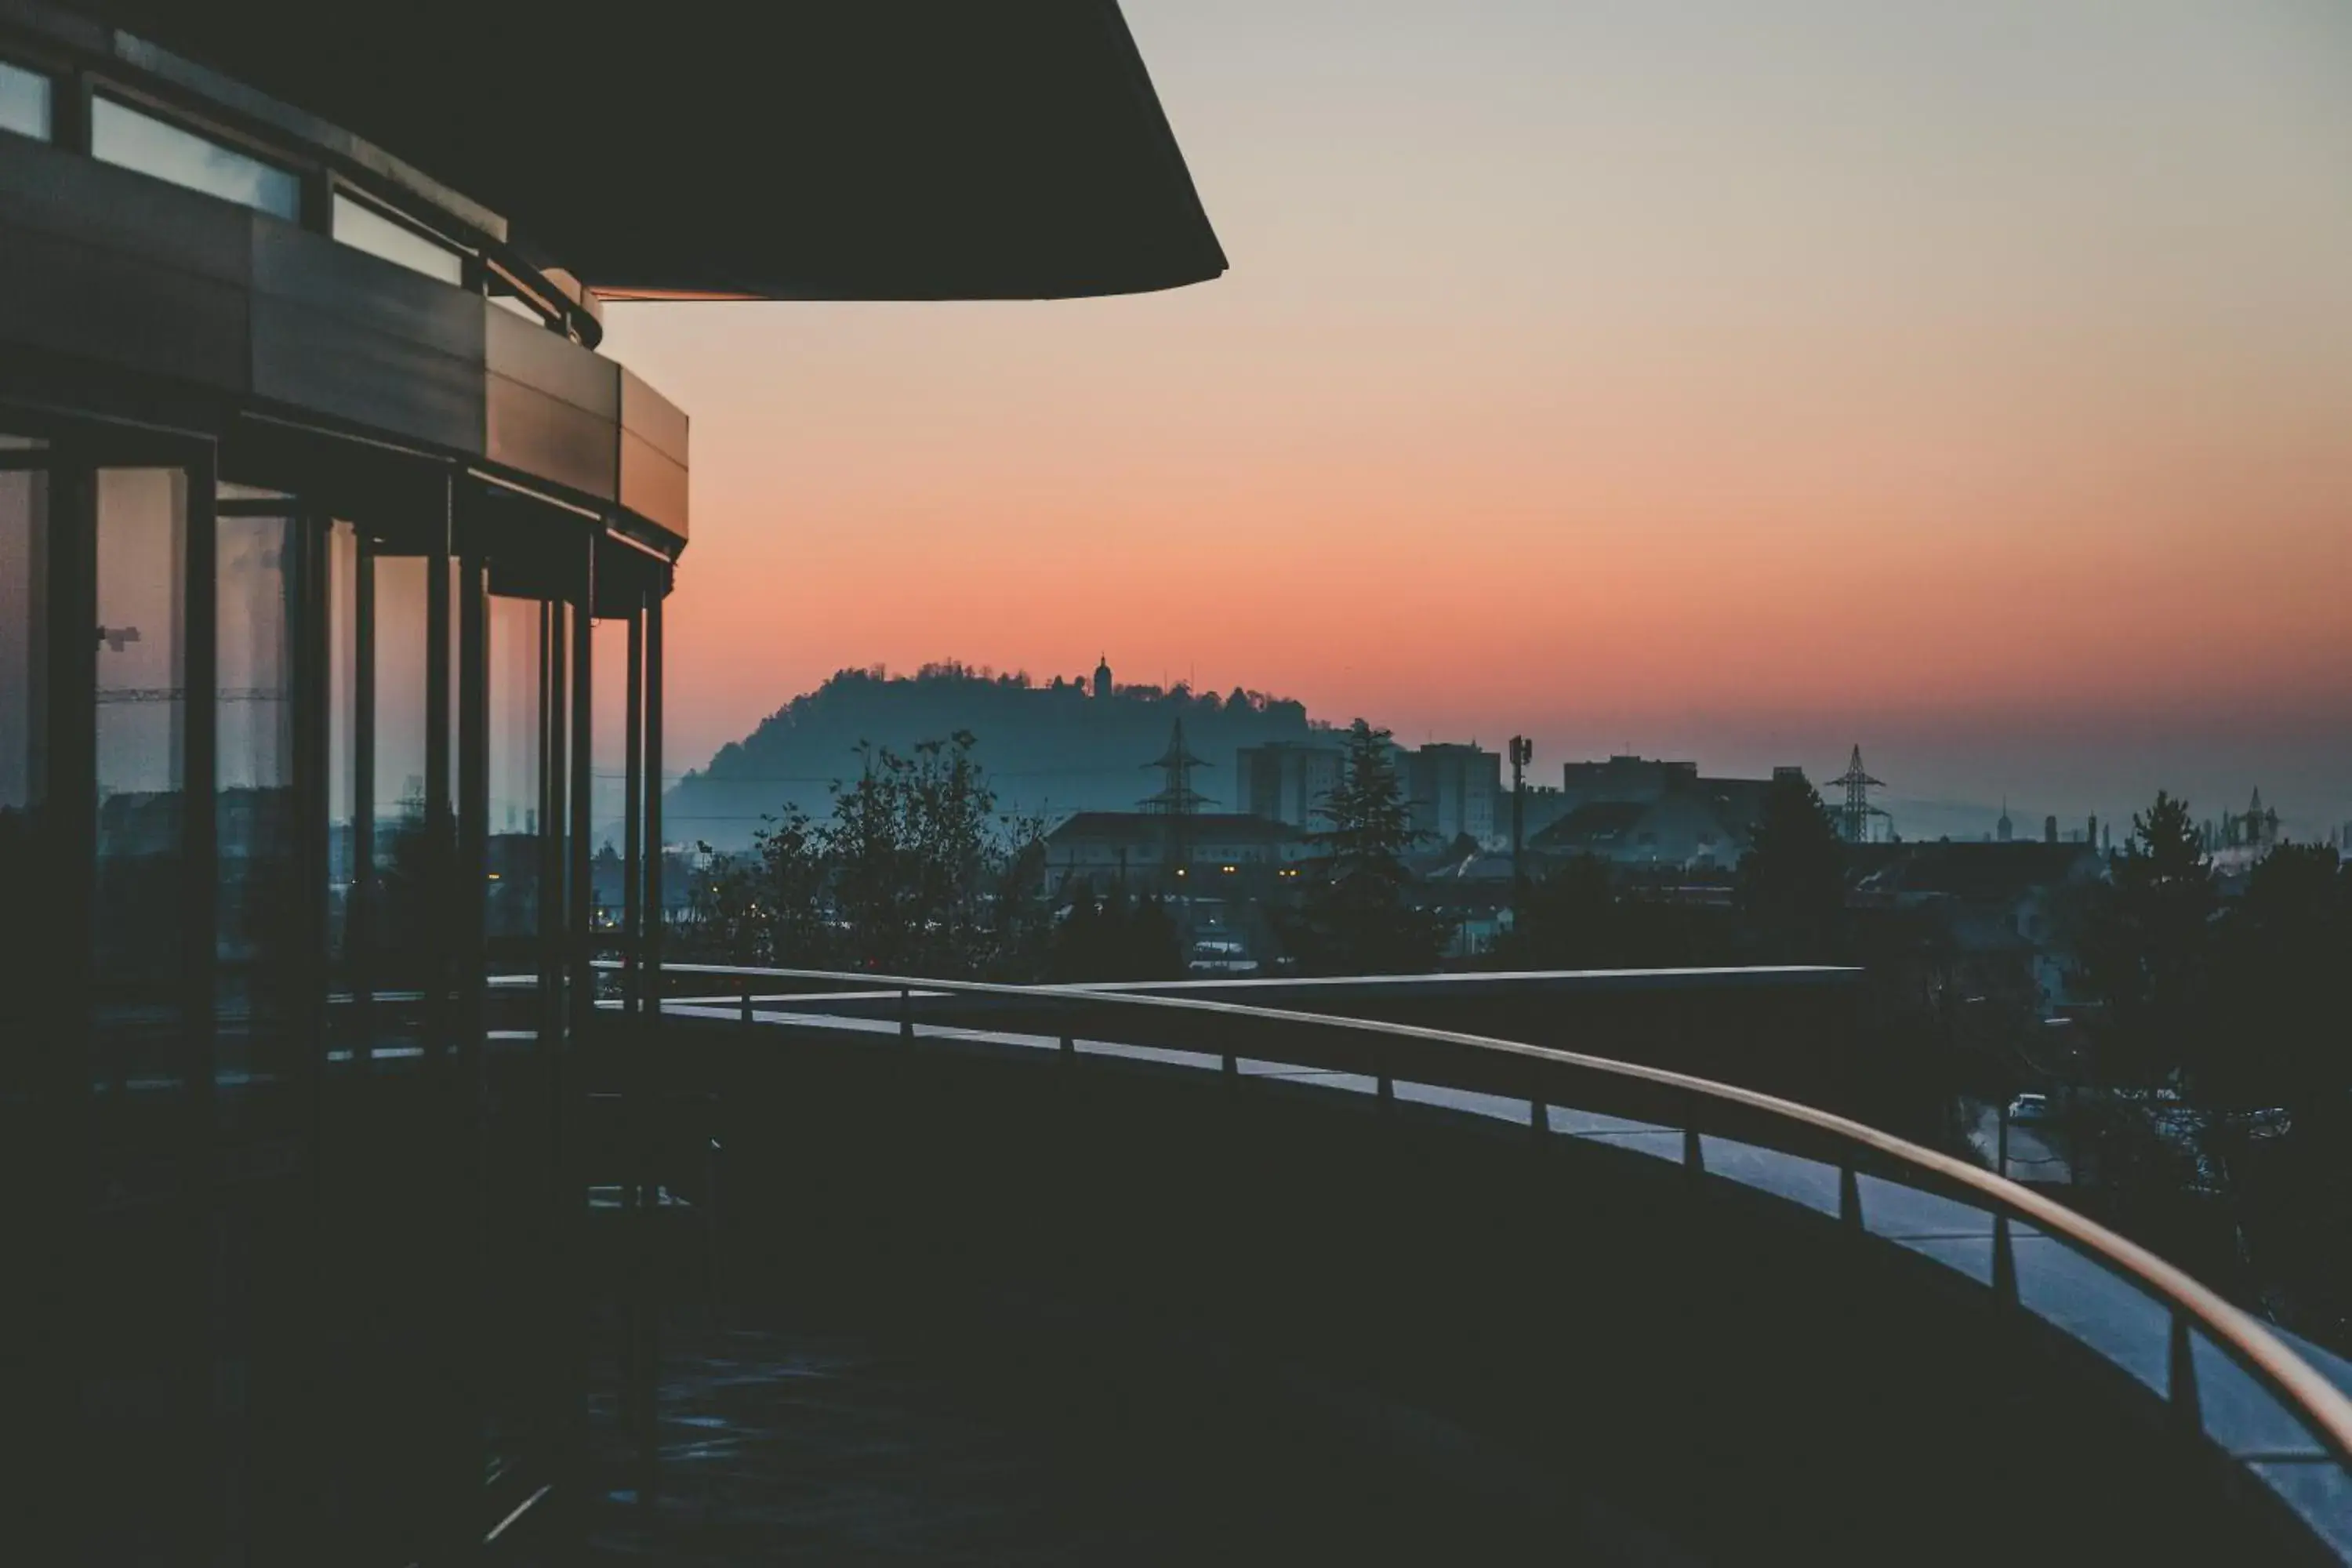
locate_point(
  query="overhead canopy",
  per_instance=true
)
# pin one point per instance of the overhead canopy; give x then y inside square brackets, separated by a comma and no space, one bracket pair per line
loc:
[777,149]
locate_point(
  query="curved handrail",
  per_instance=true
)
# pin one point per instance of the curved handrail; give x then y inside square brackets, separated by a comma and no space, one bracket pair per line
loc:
[2323,1408]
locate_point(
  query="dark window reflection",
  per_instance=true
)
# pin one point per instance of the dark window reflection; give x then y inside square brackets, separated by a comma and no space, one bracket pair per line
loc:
[263,904]
[404,923]
[342,721]
[24,846]
[515,649]
[141,714]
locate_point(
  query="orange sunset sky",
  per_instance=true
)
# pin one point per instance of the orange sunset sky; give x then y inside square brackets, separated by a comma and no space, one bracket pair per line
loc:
[1972,381]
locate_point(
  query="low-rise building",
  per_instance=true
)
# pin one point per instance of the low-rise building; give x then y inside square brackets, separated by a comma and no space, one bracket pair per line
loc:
[1144,850]
[1650,813]
[1680,830]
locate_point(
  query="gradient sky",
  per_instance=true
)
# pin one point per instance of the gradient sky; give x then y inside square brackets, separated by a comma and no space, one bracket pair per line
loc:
[1973,382]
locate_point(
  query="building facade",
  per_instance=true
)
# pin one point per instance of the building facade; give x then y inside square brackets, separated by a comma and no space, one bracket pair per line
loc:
[1682,831]
[1646,813]
[334,558]
[1454,791]
[1207,854]
[1287,781]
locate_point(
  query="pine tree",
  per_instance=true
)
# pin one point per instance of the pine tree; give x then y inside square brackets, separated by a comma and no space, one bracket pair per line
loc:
[1356,917]
[1791,881]
[2149,942]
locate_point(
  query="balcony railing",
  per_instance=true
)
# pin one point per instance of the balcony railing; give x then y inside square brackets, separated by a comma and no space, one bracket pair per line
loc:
[2218,1376]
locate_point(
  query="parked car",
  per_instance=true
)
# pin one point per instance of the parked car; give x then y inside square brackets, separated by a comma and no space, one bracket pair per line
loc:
[2029,1107]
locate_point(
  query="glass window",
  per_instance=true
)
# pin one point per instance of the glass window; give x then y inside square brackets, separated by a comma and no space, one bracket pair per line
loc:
[363,228]
[23,641]
[400,908]
[263,912]
[24,101]
[23,752]
[140,720]
[120,134]
[342,744]
[517,670]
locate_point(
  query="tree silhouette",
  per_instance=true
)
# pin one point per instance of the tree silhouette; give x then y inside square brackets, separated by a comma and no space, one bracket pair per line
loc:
[1110,936]
[1790,889]
[914,873]
[1568,919]
[1354,917]
[2279,977]
[767,908]
[2148,943]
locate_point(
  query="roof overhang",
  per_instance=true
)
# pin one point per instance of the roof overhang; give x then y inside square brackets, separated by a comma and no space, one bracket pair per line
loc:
[777,149]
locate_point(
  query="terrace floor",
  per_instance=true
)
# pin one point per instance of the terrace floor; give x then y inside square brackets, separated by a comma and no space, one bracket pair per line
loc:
[798,1443]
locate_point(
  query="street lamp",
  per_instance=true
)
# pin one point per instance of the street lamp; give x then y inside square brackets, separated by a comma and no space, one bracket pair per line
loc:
[1523,751]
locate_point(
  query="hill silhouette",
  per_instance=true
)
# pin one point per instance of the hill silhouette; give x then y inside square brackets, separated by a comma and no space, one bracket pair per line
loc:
[1049,749]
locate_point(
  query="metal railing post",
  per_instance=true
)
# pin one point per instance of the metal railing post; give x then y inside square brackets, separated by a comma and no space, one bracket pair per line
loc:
[2188,1410]
[906,1012]
[747,999]
[2004,1263]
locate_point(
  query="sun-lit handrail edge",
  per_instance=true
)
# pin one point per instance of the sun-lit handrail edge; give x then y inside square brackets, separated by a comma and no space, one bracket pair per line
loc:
[2323,1409]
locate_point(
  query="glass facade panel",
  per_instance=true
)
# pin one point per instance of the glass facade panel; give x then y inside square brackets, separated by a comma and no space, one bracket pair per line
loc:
[265,910]
[124,135]
[363,228]
[608,799]
[24,646]
[142,545]
[2241,1414]
[2095,1305]
[401,919]
[342,610]
[517,668]
[1807,1181]
[25,845]
[25,101]
[316,1275]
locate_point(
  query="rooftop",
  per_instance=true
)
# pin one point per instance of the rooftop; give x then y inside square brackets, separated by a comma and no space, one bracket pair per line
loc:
[1126,826]
[800,149]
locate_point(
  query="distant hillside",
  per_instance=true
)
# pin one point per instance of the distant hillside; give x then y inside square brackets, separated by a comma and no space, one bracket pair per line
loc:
[1048,749]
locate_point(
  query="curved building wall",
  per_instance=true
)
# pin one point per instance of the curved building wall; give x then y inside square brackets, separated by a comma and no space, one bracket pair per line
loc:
[325,536]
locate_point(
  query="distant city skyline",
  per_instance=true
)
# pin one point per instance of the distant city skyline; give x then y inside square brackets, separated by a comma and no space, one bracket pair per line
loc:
[1718,380]
[1938,783]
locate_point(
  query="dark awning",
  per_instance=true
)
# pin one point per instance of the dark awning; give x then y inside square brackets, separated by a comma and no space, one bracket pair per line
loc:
[780,149]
